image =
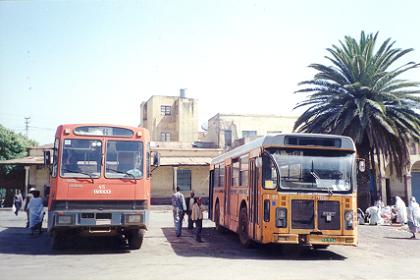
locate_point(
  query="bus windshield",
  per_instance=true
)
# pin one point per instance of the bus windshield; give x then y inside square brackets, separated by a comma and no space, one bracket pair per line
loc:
[81,158]
[314,170]
[124,159]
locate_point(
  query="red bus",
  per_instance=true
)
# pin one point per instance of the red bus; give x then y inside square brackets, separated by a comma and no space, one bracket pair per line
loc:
[100,182]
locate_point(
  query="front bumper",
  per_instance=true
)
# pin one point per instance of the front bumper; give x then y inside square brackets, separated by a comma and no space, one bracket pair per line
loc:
[97,218]
[312,239]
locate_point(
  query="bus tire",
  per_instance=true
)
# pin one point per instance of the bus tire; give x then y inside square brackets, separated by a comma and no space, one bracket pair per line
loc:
[243,228]
[135,239]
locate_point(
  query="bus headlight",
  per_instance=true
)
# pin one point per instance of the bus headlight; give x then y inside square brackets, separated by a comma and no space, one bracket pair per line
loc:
[133,218]
[348,219]
[266,210]
[281,217]
[64,219]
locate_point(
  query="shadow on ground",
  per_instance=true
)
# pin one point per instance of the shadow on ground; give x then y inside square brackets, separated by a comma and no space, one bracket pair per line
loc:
[16,240]
[226,245]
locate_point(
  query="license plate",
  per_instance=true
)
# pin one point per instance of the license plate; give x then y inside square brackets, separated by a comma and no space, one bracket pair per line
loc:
[102,222]
[328,239]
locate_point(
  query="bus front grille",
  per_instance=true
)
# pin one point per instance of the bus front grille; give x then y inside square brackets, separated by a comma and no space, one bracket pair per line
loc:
[328,215]
[303,214]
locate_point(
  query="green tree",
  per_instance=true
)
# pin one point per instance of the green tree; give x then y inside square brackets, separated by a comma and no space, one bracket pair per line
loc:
[12,145]
[361,95]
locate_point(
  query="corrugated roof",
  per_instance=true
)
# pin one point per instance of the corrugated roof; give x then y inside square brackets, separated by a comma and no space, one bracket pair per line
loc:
[23,161]
[185,160]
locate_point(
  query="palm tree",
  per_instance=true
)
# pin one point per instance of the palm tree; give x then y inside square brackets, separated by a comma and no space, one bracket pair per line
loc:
[361,97]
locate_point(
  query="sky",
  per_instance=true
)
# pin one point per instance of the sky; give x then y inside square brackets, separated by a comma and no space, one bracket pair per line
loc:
[96,61]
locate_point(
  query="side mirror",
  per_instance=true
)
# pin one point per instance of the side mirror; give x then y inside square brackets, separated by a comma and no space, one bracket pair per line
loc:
[47,158]
[156,159]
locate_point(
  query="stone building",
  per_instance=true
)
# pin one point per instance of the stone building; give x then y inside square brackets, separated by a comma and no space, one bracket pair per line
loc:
[170,118]
[229,130]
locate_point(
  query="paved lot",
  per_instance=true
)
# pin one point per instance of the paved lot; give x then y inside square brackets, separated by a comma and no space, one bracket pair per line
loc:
[383,253]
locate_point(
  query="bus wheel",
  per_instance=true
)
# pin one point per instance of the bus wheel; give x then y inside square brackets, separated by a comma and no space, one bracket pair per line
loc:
[243,228]
[135,239]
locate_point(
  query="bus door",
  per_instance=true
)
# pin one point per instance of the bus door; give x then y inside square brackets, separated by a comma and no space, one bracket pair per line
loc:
[210,204]
[227,195]
[253,199]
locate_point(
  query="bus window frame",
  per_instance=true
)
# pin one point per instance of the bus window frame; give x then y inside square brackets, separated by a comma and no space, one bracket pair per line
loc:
[105,152]
[352,177]
[274,163]
[101,171]
[54,170]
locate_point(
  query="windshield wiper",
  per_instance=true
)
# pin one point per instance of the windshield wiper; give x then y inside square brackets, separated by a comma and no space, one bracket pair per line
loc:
[122,172]
[79,172]
[316,176]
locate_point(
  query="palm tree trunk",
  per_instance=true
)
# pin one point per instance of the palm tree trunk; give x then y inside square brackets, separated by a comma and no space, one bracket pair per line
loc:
[363,189]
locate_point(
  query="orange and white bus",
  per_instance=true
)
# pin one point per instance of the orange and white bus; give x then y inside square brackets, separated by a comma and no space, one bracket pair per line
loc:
[287,188]
[100,182]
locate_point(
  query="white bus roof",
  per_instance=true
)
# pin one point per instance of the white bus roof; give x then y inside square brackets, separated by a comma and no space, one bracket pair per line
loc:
[275,140]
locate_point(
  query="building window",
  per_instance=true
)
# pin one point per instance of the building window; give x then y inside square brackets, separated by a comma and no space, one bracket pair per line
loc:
[165,137]
[165,110]
[249,133]
[183,178]
[228,138]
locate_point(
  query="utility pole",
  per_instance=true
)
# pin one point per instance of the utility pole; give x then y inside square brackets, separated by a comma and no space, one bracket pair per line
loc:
[27,119]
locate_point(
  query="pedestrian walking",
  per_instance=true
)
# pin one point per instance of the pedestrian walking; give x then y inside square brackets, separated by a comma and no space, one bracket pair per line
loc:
[413,217]
[17,202]
[190,204]
[179,209]
[197,217]
[36,211]
[401,210]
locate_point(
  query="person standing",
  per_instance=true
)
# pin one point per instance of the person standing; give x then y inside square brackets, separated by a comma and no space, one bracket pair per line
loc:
[413,217]
[179,208]
[25,207]
[36,211]
[17,202]
[197,217]
[190,204]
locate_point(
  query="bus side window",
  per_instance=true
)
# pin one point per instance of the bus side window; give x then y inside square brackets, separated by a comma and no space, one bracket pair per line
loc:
[269,173]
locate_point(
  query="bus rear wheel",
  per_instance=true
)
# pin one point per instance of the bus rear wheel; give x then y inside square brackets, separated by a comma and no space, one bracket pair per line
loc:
[135,239]
[243,228]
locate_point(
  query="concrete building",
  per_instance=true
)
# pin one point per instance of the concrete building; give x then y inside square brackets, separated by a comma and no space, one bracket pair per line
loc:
[34,174]
[170,118]
[225,129]
[181,165]
[389,185]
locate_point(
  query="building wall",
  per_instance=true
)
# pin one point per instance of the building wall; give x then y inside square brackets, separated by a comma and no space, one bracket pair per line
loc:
[262,124]
[182,124]
[163,182]
[39,176]
[187,120]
